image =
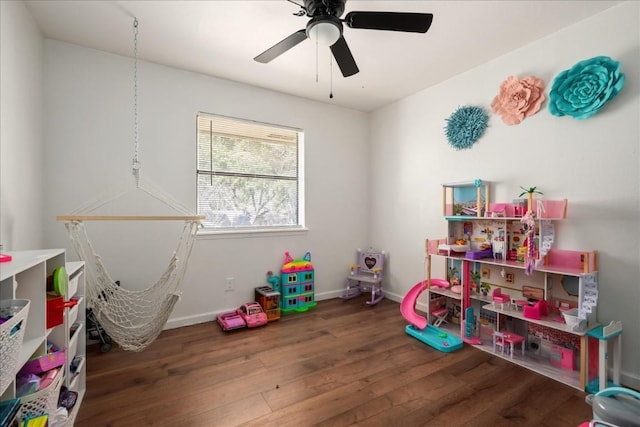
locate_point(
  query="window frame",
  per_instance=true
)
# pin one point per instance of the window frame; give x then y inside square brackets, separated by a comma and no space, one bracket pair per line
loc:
[299,180]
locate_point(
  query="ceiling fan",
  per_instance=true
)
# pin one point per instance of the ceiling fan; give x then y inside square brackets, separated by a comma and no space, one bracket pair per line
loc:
[325,26]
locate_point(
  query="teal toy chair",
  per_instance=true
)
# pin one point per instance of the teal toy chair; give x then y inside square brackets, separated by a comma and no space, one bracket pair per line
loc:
[366,276]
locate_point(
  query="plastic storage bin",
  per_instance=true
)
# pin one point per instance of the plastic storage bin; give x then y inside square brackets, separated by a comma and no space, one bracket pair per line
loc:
[73,314]
[73,341]
[72,288]
[41,402]
[11,337]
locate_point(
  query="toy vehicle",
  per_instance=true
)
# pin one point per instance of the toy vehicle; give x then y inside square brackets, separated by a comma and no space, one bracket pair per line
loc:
[252,314]
[230,320]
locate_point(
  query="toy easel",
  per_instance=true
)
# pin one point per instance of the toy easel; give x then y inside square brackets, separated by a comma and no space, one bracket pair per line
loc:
[613,331]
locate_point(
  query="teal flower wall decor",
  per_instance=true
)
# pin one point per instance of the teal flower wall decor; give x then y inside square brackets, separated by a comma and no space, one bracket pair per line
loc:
[465,126]
[582,90]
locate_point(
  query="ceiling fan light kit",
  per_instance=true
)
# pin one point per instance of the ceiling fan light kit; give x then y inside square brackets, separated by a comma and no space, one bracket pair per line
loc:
[326,28]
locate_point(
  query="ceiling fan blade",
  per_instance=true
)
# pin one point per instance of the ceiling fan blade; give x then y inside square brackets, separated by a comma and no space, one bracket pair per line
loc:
[390,21]
[278,49]
[342,54]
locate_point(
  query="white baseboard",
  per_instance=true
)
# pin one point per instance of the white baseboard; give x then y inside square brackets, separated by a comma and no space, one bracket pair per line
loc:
[630,380]
[328,295]
[193,320]
[180,322]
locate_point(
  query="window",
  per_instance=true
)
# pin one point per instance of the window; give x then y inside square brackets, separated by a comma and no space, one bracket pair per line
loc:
[250,175]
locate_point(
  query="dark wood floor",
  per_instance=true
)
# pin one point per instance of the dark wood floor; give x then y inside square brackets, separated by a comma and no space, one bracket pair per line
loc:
[340,364]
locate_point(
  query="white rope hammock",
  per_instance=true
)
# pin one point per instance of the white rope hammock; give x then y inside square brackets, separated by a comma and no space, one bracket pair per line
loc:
[132,318]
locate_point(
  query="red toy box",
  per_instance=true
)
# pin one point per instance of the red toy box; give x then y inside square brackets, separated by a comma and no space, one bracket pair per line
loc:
[55,311]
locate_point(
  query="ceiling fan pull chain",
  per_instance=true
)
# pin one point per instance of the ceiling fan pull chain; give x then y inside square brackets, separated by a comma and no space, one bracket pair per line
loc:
[317,54]
[330,77]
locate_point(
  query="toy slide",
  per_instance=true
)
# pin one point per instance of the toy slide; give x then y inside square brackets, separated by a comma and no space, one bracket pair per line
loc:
[419,327]
[408,306]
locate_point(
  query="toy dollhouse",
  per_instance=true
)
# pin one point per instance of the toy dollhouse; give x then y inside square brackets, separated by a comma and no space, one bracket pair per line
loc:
[515,282]
[297,293]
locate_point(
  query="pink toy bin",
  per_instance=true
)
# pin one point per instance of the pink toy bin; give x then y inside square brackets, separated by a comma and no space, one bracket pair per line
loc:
[44,363]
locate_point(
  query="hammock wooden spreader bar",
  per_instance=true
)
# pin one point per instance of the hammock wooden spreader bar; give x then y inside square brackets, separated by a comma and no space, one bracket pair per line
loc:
[130,217]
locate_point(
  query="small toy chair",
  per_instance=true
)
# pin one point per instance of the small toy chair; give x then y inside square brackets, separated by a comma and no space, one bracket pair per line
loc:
[537,311]
[440,315]
[499,298]
[510,339]
[498,341]
[366,275]
[519,304]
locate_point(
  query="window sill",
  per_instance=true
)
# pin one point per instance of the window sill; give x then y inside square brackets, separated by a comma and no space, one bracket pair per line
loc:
[246,233]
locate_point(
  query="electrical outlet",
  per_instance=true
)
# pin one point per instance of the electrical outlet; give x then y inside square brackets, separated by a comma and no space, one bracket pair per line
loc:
[228,284]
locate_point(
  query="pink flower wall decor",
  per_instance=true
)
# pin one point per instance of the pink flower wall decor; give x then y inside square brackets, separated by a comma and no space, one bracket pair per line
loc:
[518,99]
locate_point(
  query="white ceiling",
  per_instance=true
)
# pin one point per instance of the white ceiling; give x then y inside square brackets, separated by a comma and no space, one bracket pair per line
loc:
[221,38]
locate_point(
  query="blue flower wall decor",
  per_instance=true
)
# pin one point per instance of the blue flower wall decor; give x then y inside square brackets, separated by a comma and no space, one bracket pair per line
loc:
[465,126]
[582,90]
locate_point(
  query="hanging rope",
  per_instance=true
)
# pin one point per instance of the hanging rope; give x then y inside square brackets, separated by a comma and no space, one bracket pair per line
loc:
[133,319]
[135,164]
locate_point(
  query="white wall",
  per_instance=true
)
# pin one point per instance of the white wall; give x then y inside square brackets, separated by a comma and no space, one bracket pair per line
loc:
[21,132]
[89,147]
[89,144]
[594,163]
